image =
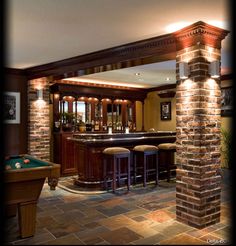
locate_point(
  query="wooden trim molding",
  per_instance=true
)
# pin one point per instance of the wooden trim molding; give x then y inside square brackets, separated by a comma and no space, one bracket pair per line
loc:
[146,51]
[199,33]
[156,49]
[88,91]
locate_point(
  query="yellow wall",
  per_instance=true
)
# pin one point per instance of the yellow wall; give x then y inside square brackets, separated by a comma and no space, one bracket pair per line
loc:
[139,114]
[152,118]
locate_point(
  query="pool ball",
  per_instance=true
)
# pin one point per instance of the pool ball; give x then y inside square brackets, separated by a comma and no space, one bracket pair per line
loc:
[26,161]
[7,167]
[18,165]
[7,157]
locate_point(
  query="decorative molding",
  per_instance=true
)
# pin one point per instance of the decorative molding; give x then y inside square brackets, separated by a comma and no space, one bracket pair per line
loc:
[199,33]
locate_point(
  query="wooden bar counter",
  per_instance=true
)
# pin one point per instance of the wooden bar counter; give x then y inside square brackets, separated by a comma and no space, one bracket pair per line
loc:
[88,151]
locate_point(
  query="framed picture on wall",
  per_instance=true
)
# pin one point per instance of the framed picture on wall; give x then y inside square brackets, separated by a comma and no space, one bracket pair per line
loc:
[227,101]
[165,110]
[11,107]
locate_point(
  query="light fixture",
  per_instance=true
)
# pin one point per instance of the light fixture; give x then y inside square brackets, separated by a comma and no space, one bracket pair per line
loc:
[183,70]
[214,69]
[40,94]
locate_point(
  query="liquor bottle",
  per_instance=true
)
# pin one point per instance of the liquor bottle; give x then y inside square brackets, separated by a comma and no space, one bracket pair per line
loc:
[96,126]
[92,123]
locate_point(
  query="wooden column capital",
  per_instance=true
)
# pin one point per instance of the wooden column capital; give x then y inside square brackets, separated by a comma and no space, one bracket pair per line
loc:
[199,33]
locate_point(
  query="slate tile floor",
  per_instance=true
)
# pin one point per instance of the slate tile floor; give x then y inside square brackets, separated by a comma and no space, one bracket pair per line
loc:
[144,216]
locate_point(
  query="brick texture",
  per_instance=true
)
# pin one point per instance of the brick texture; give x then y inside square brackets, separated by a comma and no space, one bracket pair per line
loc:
[38,120]
[198,108]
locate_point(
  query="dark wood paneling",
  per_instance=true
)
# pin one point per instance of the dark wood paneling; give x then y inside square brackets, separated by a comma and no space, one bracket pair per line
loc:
[15,135]
[63,152]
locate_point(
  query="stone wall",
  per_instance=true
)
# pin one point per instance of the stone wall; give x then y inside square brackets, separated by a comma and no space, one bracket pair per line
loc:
[38,120]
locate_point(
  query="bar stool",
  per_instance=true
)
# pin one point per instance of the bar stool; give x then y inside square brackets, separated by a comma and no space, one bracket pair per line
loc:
[144,151]
[114,156]
[166,155]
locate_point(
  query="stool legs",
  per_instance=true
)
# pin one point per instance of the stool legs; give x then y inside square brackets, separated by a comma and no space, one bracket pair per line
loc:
[116,171]
[128,170]
[105,173]
[144,170]
[156,168]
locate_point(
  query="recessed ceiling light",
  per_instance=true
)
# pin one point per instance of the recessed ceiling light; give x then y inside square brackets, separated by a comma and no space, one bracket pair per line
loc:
[137,74]
[167,79]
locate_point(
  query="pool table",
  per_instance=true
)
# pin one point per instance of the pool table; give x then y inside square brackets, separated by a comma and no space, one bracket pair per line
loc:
[23,187]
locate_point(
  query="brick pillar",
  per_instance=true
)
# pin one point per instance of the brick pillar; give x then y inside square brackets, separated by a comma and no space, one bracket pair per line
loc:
[38,120]
[198,108]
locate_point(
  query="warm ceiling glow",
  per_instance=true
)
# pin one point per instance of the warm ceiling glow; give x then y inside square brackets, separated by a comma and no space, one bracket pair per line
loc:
[94,81]
[217,23]
[177,26]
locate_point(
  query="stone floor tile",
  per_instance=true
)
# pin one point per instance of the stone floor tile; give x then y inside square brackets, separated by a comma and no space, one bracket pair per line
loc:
[92,225]
[91,232]
[111,202]
[92,240]
[182,239]
[152,240]
[72,215]
[120,236]
[116,222]
[70,239]
[64,229]
[111,211]
[139,218]
[160,216]
[36,239]
[142,229]
[171,228]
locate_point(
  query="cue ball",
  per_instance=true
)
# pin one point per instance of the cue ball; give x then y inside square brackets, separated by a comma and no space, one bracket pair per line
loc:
[26,161]
[18,165]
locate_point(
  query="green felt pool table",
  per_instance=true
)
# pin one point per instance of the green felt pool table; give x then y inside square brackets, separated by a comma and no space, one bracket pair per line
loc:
[23,187]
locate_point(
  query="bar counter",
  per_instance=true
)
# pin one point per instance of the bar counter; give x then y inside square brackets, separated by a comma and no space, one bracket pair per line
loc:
[88,149]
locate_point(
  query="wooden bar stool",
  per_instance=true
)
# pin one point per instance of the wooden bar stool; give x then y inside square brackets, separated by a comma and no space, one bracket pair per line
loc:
[166,157]
[114,155]
[145,151]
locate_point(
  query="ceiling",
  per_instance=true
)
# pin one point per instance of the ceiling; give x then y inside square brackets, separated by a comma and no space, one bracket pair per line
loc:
[40,32]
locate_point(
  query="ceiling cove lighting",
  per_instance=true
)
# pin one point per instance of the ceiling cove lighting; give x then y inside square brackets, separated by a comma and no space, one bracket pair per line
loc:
[214,69]
[103,82]
[183,70]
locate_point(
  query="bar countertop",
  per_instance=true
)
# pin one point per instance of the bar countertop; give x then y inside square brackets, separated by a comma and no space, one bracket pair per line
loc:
[89,138]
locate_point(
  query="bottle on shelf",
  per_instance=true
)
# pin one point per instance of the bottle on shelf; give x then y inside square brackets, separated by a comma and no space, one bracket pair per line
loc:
[92,124]
[96,126]
[105,127]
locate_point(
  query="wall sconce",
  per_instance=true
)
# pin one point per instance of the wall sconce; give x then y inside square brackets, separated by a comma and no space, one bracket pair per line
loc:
[183,70]
[214,69]
[40,94]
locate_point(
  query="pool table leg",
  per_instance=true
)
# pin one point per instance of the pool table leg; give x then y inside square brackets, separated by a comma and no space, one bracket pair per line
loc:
[52,182]
[27,218]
